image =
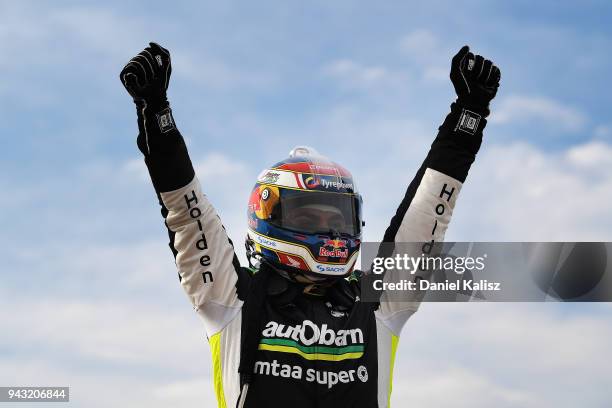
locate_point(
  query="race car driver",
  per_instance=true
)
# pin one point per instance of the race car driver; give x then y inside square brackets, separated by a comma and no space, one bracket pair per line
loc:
[290,329]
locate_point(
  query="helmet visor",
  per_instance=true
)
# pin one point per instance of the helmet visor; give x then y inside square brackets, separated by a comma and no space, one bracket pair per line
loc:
[318,212]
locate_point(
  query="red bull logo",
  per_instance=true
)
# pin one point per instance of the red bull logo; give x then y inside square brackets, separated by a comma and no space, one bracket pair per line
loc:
[334,248]
[335,243]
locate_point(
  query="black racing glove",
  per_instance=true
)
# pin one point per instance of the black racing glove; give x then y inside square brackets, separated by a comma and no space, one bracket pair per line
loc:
[146,78]
[475,80]
[147,75]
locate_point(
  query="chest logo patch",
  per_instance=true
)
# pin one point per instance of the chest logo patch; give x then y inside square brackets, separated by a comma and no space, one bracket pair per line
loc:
[312,342]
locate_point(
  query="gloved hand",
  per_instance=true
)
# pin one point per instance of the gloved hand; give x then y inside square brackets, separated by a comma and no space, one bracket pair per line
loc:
[146,78]
[147,75]
[475,80]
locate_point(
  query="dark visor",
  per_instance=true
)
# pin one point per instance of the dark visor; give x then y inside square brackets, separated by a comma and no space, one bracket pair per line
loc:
[317,212]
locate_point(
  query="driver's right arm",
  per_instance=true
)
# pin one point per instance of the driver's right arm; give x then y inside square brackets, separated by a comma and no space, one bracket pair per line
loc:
[204,255]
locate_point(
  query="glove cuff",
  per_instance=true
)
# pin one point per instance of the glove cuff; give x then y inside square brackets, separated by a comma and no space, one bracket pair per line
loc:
[457,143]
[463,128]
[163,146]
[155,102]
[157,129]
[477,107]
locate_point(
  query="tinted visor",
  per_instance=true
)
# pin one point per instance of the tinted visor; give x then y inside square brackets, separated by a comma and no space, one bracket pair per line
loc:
[318,212]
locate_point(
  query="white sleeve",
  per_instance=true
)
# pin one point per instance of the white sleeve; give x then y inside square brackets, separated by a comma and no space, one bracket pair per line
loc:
[204,255]
[425,220]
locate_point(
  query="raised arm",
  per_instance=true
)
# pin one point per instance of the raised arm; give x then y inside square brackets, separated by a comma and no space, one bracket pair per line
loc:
[427,207]
[204,255]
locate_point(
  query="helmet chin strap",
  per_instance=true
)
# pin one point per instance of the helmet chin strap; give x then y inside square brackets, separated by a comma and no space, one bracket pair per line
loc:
[311,287]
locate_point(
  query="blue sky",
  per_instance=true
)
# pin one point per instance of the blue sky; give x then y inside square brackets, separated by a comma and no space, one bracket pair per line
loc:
[89,295]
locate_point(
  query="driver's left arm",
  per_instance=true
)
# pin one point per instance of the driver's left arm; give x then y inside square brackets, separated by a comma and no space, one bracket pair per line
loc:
[427,207]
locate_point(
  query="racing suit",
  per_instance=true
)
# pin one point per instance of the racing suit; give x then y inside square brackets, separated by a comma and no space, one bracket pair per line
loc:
[330,350]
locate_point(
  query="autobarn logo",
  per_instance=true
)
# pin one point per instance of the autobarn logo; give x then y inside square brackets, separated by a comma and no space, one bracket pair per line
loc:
[334,248]
[308,334]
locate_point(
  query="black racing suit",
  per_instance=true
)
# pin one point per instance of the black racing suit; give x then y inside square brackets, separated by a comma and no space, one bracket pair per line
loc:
[313,351]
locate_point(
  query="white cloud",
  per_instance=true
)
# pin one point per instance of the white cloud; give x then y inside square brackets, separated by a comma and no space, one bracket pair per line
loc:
[436,73]
[187,393]
[421,43]
[227,181]
[128,352]
[518,192]
[515,109]
[352,74]
[134,170]
[31,34]
[460,387]
[504,354]
[90,388]
[212,72]
[596,156]
[53,45]
[99,29]
[123,333]
[217,166]
[428,54]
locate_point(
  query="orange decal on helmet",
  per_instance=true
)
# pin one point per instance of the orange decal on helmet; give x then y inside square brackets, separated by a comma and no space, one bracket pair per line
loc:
[264,198]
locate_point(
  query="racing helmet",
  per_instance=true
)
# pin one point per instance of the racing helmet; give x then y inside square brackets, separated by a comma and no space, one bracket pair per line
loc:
[304,215]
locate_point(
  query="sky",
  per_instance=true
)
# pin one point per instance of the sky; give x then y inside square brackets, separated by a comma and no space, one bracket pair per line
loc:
[89,295]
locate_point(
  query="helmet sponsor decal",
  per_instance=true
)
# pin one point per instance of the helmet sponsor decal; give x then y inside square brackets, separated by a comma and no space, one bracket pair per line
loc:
[310,181]
[330,269]
[337,184]
[334,248]
[265,194]
[254,203]
[339,265]
[293,261]
[323,183]
[262,201]
[269,177]
[265,241]
[305,180]
[316,167]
